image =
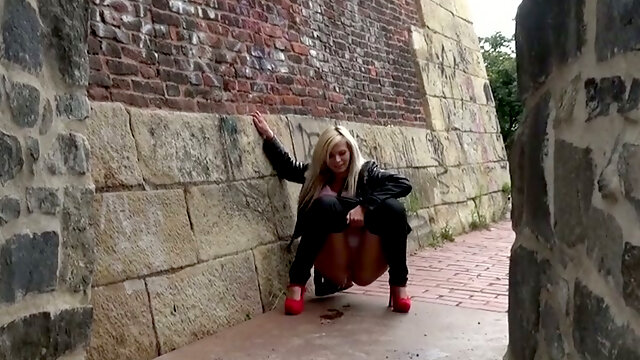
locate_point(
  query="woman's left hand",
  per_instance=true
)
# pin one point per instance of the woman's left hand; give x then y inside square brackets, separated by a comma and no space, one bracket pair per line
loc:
[355,217]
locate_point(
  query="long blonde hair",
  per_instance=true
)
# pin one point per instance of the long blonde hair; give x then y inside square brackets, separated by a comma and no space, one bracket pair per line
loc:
[318,173]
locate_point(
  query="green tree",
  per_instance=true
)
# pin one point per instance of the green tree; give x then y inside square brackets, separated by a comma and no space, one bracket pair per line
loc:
[499,57]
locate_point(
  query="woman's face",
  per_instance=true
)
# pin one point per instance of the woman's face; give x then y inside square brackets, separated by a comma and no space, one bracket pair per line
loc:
[339,157]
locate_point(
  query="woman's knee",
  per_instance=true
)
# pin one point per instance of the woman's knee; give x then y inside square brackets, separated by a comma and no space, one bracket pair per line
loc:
[364,279]
[393,207]
[325,204]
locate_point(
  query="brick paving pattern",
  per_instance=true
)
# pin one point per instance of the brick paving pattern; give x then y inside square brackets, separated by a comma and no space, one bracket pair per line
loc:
[472,272]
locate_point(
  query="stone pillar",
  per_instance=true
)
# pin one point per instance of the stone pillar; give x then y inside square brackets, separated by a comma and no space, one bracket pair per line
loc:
[46,248]
[574,287]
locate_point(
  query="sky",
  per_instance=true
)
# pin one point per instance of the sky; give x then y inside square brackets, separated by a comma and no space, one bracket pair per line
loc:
[490,16]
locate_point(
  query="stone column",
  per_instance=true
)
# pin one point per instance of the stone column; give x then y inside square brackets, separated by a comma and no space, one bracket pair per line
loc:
[46,248]
[574,288]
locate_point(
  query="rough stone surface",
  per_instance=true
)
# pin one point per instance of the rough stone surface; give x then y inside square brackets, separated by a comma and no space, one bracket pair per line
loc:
[33,149]
[232,217]
[78,248]
[184,151]
[11,160]
[540,50]
[182,303]
[272,265]
[616,32]
[596,334]
[140,233]
[44,200]
[122,325]
[21,35]
[114,159]
[66,29]
[244,146]
[47,118]
[530,198]
[45,335]
[9,209]
[555,343]
[524,304]
[73,106]
[629,174]
[24,102]
[28,264]
[577,220]
[631,276]
[71,154]
[573,203]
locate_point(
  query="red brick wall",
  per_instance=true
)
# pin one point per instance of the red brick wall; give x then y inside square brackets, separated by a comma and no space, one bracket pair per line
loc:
[344,59]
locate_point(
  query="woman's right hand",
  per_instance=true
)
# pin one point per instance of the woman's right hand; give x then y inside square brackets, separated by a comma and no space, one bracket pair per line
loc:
[261,125]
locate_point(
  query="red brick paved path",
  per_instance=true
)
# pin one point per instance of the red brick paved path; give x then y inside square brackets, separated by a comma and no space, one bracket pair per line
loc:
[471,272]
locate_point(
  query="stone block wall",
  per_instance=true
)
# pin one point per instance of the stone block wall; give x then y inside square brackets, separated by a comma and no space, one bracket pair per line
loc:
[190,221]
[46,245]
[575,266]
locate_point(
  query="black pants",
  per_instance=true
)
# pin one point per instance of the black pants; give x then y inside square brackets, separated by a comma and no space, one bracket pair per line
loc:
[327,215]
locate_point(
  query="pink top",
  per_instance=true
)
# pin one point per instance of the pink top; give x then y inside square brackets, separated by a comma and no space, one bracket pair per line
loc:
[353,233]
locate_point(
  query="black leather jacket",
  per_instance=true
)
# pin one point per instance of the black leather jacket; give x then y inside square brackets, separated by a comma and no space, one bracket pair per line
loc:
[374,184]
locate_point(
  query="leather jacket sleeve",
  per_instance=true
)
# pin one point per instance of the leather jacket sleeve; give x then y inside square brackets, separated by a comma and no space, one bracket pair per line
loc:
[284,165]
[380,185]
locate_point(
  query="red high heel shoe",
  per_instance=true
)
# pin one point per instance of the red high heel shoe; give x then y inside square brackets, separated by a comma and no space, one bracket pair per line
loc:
[399,305]
[295,307]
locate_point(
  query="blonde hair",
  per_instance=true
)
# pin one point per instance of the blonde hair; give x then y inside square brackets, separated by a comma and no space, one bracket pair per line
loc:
[318,173]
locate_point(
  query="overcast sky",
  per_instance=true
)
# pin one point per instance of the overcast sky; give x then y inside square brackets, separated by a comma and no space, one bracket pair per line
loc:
[490,16]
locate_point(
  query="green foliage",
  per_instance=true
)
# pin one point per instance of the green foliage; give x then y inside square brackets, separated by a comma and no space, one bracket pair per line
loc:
[479,221]
[444,235]
[506,188]
[500,61]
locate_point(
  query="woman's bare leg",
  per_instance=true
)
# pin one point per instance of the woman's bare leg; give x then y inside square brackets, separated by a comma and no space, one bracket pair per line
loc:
[368,262]
[333,260]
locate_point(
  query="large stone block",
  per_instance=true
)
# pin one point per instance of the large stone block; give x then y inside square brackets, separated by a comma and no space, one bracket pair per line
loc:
[540,49]
[272,265]
[24,103]
[443,217]
[114,159]
[179,147]
[616,32]
[440,18]
[122,323]
[232,217]
[28,264]
[69,155]
[198,301]
[78,246]
[631,276]
[243,145]
[424,182]
[530,196]
[445,148]
[10,209]
[11,158]
[596,333]
[524,304]
[469,117]
[577,220]
[45,335]
[439,49]
[66,27]
[140,233]
[21,35]
[305,132]
[482,148]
